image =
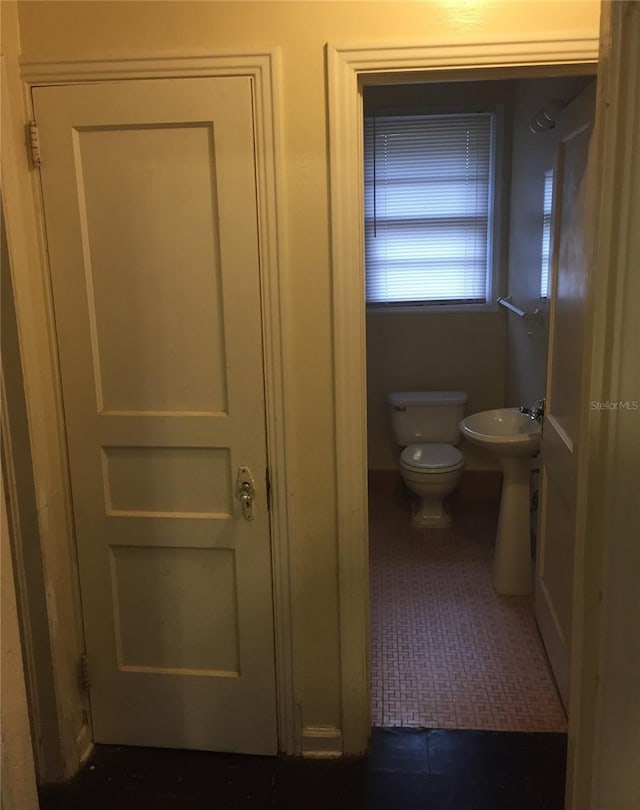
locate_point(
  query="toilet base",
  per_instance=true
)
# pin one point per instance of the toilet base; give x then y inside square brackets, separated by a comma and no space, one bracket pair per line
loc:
[432,513]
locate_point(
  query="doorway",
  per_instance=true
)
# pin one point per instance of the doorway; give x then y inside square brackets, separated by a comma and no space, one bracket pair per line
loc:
[447,651]
[348,70]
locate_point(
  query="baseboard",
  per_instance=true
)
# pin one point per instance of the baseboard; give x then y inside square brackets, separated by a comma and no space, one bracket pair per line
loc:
[479,485]
[321,742]
[383,479]
[475,484]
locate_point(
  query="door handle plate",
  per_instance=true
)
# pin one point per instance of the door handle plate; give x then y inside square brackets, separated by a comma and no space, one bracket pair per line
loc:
[245,492]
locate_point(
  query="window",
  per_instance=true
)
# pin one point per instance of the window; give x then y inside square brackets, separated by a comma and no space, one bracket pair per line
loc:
[546,233]
[429,202]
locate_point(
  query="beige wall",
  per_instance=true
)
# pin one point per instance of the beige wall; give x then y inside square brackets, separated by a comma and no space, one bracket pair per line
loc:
[18,774]
[18,784]
[91,29]
[432,351]
[18,474]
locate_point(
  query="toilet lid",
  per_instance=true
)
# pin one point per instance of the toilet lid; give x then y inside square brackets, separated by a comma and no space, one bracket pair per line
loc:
[431,457]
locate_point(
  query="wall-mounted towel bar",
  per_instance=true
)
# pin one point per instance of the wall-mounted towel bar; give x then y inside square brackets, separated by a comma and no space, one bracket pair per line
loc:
[506,302]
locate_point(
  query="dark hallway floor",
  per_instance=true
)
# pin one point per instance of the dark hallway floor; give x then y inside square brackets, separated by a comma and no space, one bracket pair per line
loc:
[406,769]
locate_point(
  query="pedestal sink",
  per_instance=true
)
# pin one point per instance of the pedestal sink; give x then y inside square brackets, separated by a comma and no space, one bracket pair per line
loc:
[514,437]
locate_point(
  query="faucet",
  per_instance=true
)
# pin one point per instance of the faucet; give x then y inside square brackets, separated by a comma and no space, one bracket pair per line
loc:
[536,411]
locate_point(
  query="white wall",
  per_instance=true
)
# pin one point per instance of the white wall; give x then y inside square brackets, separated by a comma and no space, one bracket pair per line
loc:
[533,154]
[301,30]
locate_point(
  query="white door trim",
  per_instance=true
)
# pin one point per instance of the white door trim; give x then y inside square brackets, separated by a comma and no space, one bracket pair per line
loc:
[263,67]
[603,749]
[347,69]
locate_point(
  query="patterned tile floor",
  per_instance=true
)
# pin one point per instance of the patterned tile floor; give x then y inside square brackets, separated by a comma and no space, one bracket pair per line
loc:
[446,650]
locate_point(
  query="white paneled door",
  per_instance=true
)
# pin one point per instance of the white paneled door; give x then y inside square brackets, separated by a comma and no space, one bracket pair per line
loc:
[149,191]
[560,451]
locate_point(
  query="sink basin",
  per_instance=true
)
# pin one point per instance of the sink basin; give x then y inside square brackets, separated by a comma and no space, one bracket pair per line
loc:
[506,431]
[514,437]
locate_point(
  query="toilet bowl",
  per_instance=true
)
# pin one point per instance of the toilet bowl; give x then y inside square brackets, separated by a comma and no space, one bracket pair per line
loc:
[431,471]
[424,424]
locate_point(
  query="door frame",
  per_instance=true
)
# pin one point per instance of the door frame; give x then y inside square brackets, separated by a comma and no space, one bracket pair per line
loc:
[348,69]
[34,305]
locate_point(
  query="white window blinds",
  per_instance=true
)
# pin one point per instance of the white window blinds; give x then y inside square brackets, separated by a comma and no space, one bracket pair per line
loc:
[547,206]
[428,207]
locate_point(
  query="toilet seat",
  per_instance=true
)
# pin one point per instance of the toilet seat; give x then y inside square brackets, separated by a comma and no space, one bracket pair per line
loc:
[431,458]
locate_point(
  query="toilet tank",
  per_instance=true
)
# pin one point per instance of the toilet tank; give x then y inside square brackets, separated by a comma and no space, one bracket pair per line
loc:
[418,417]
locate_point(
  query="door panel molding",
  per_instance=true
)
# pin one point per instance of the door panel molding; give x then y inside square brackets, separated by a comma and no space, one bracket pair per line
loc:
[161,275]
[263,68]
[348,67]
[560,449]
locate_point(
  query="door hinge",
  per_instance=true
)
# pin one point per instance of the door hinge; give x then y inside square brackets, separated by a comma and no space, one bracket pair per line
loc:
[33,144]
[83,673]
[268,483]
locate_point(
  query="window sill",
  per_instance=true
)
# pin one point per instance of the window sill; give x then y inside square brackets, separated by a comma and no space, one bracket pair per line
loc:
[430,309]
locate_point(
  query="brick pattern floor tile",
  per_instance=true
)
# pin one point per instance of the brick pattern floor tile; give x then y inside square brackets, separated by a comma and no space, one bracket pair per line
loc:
[446,650]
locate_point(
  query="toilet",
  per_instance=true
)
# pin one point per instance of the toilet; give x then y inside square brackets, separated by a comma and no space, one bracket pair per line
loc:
[425,424]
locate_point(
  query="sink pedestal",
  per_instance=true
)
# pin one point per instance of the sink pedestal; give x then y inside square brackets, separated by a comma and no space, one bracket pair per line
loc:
[512,567]
[514,438]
